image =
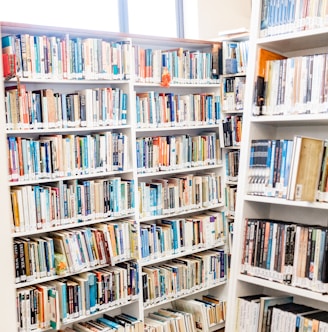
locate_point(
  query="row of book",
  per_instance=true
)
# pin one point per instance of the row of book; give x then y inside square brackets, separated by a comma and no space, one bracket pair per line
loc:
[36,207]
[162,153]
[169,319]
[174,235]
[184,66]
[232,164]
[45,108]
[74,250]
[121,323]
[177,194]
[230,199]
[208,311]
[296,85]
[234,56]
[264,313]
[233,93]
[67,57]
[159,109]
[286,252]
[294,169]
[232,130]
[56,156]
[57,302]
[278,17]
[182,276]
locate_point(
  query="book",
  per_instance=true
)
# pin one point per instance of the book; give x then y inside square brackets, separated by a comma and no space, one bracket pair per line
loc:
[248,312]
[263,56]
[265,302]
[284,316]
[305,168]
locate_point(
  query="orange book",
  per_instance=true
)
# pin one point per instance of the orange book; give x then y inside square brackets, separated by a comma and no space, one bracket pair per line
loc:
[15,210]
[49,102]
[266,243]
[263,56]
[20,156]
[112,245]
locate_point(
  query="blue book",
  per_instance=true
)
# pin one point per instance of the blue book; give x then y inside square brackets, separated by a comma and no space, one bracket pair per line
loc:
[78,57]
[64,109]
[36,65]
[115,69]
[111,324]
[36,100]
[283,167]
[61,288]
[115,193]
[271,174]
[143,237]
[92,285]
[155,238]
[268,257]
[175,226]
[124,107]
[88,241]
[209,109]
[160,237]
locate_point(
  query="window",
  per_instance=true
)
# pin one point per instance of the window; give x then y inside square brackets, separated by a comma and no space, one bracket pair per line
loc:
[146,17]
[98,15]
[156,18]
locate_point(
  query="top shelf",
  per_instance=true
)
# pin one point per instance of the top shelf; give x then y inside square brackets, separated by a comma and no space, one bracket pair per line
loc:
[160,42]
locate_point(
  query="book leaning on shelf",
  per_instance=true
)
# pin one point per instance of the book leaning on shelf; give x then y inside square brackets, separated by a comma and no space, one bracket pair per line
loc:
[287,168]
[261,85]
[291,86]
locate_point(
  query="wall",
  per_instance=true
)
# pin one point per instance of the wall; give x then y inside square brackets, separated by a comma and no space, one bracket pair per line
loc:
[205,18]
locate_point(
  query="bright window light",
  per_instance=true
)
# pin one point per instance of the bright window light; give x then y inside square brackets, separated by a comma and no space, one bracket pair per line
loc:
[98,15]
[152,17]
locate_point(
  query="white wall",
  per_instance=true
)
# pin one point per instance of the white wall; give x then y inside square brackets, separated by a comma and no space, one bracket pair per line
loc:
[205,18]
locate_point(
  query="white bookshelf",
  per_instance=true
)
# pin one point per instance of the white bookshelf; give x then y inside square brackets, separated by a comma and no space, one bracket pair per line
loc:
[134,306]
[273,127]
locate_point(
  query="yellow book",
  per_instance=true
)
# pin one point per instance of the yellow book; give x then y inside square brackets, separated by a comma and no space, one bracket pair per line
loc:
[305,168]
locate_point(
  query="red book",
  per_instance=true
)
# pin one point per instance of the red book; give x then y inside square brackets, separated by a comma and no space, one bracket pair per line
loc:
[9,65]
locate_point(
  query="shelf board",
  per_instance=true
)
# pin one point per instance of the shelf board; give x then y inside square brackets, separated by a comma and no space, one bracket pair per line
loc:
[71,177]
[181,213]
[283,288]
[74,224]
[141,130]
[205,84]
[283,201]
[53,81]
[165,257]
[63,131]
[296,41]
[183,294]
[179,170]
[292,120]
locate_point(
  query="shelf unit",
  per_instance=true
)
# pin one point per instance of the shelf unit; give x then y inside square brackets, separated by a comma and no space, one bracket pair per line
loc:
[300,43]
[208,168]
[232,96]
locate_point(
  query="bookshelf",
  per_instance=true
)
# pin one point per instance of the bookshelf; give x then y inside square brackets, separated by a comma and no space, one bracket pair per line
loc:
[233,83]
[111,176]
[232,96]
[185,131]
[257,206]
